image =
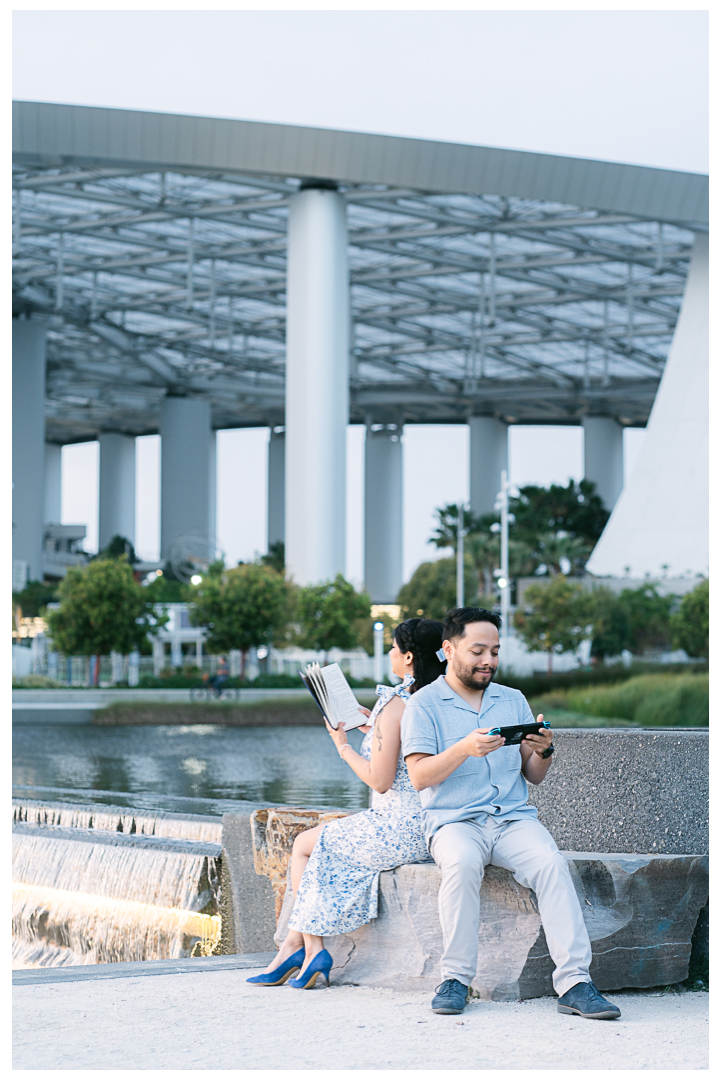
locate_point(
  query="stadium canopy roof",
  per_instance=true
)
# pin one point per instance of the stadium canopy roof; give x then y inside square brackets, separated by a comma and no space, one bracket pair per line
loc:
[526,286]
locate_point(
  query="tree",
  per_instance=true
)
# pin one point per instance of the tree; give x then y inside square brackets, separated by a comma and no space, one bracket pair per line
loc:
[118,548]
[165,590]
[484,551]
[34,597]
[102,610]
[649,617]
[275,557]
[431,591]
[575,510]
[690,624]
[446,532]
[561,553]
[329,614]
[555,620]
[481,545]
[611,632]
[551,530]
[242,608]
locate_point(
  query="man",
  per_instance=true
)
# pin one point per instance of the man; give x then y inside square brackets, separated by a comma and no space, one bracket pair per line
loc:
[219,680]
[473,792]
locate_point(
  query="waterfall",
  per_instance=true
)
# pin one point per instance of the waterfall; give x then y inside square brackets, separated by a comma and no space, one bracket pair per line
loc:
[118,819]
[86,894]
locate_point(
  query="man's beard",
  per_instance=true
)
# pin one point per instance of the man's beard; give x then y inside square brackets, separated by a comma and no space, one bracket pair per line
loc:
[473,680]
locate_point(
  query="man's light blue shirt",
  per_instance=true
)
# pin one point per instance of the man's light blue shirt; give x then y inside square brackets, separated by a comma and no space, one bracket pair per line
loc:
[436,717]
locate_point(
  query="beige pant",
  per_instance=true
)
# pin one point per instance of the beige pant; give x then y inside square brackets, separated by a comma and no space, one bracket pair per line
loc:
[463,849]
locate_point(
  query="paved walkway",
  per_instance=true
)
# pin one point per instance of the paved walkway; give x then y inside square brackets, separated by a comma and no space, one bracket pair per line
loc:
[203,1015]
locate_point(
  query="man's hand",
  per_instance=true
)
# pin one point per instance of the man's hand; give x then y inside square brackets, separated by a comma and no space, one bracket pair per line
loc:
[426,770]
[540,742]
[479,744]
[534,766]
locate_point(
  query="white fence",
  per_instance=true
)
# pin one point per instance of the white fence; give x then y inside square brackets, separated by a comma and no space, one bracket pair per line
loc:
[76,670]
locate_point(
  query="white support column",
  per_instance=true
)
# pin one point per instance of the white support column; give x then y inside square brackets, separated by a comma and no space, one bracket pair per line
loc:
[117,488]
[660,522]
[28,442]
[212,494]
[604,457]
[488,458]
[276,486]
[186,471]
[316,381]
[53,483]
[383,512]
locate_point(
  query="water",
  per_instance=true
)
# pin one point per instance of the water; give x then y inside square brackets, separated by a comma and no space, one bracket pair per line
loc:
[93,883]
[116,819]
[89,896]
[203,769]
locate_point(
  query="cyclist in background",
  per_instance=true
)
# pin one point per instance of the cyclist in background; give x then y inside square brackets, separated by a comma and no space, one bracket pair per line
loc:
[219,680]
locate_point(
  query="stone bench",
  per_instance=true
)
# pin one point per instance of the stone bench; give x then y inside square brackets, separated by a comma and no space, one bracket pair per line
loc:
[644,791]
[640,911]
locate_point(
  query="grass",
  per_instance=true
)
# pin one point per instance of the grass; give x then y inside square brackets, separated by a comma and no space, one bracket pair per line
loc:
[566,718]
[296,712]
[663,700]
[539,683]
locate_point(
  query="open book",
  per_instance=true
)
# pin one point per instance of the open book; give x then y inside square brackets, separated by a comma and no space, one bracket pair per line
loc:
[333,695]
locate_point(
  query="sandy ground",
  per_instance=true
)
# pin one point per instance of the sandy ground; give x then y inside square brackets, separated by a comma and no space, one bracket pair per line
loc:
[214,1020]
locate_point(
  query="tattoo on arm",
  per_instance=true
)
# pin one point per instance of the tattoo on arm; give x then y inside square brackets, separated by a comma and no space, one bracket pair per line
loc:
[378,733]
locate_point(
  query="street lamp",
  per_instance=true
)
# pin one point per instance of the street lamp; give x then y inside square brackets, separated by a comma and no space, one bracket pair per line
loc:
[504,579]
[460,559]
[378,633]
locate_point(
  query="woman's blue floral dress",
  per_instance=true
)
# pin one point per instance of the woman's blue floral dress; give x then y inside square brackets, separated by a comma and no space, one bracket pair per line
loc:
[339,888]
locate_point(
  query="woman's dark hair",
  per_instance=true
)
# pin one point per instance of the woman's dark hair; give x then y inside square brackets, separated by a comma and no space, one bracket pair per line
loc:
[422,638]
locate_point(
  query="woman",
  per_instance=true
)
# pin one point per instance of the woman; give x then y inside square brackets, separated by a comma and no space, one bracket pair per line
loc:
[335,868]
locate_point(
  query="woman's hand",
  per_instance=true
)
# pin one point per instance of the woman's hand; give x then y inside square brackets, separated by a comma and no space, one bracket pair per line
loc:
[337,735]
[364,727]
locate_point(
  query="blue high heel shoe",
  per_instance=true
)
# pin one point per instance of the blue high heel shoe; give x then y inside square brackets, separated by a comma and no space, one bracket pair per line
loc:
[319,965]
[282,973]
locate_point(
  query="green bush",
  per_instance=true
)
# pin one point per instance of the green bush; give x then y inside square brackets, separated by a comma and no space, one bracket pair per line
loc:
[649,700]
[294,682]
[35,682]
[171,679]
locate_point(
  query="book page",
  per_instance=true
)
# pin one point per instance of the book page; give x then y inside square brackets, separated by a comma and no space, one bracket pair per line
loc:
[311,687]
[313,674]
[343,702]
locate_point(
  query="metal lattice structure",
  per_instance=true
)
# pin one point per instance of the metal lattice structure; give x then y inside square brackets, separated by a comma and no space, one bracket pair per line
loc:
[161,280]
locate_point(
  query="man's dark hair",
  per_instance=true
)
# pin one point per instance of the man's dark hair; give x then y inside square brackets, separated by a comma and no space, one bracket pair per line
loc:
[458,618]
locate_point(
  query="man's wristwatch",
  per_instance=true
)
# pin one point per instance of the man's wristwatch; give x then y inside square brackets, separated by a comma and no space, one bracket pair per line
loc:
[548,753]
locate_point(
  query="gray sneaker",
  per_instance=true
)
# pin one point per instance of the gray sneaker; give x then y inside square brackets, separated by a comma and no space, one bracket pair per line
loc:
[584,999]
[450,997]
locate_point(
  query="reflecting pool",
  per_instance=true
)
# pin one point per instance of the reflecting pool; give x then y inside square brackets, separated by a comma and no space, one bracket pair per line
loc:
[199,768]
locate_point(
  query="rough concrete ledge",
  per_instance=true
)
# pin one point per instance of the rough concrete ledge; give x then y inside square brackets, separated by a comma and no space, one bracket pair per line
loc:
[620,789]
[247,904]
[89,972]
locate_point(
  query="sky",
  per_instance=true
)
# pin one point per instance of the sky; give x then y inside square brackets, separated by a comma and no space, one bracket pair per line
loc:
[629,86]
